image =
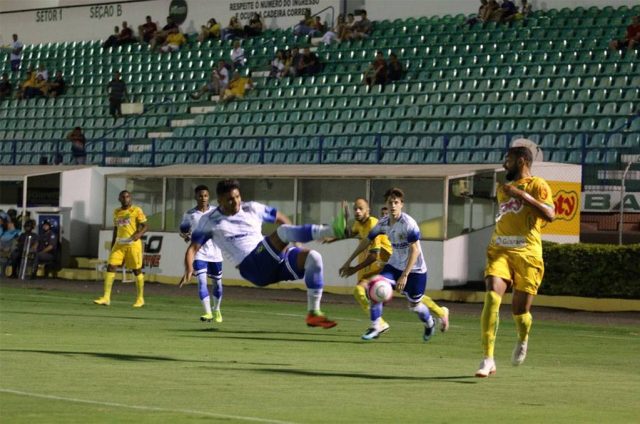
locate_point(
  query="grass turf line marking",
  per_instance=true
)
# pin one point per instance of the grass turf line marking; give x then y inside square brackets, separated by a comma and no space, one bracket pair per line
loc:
[144,408]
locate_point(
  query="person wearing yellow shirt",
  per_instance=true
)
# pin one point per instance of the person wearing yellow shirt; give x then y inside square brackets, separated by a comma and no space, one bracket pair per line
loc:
[237,88]
[373,260]
[514,255]
[129,224]
[174,41]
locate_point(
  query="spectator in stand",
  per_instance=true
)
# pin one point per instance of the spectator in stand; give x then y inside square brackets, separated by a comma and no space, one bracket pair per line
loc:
[631,38]
[525,10]
[174,41]
[39,88]
[16,255]
[492,12]
[147,30]
[255,26]
[334,33]
[160,36]
[309,64]
[347,28]
[238,58]
[16,53]
[234,30]
[376,73]
[29,81]
[506,12]
[5,87]
[481,16]
[78,146]
[57,85]
[305,27]
[237,88]
[126,35]
[293,62]
[218,81]
[117,90]
[395,71]
[42,72]
[209,31]
[318,27]
[362,28]
[112,41]
[278,67]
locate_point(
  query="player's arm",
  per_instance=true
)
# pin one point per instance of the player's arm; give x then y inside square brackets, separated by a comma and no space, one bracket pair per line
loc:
[115,234]
[140,230]
[185,229]
[282,219]
[189,256]
[414,252]
[544,210]
[345,268]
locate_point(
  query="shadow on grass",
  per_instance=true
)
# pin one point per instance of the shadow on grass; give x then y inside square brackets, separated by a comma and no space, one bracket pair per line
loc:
[461,379]
[92,315]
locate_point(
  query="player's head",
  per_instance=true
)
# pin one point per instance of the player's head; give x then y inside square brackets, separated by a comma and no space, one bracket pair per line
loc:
[125,199]
[517,159]
[46,226]
[361,209]
[228,192]
[202,195]
[384,211]
[394,199]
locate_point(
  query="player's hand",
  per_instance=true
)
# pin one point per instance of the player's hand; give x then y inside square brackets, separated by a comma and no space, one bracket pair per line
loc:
[511,190]
[401,282]
[185,278]
[186,236]
[346,271]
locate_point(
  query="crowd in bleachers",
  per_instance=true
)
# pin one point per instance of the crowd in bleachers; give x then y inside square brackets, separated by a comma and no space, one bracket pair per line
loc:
[421,65]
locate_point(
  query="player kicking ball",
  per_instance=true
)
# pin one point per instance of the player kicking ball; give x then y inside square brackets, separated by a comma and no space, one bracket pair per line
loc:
[406,269]
[236,227]
[514,255]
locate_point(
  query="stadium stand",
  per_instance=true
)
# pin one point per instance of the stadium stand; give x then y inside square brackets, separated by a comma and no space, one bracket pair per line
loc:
[468,91]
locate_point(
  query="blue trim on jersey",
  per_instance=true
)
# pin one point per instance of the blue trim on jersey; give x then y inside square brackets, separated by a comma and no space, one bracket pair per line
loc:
[200,237]
[413,236]
[270,214]
[261,268]
[416,282]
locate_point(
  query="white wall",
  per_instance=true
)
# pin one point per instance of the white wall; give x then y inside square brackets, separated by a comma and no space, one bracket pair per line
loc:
[95,20]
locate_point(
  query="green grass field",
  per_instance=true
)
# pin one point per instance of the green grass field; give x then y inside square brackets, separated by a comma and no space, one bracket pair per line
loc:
[64,360]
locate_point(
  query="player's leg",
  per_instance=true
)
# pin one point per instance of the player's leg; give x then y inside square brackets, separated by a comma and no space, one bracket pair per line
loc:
[528,276]
[286,234]
[133,260]
[308,263]
[440,312]
[116,258]
[215,272]
[360,294]
[378,324]
[200,271]
[414,291]
[489,321]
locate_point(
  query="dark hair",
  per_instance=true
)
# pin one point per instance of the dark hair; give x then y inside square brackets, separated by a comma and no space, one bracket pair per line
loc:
[226,186]
[201,187]
[521,152]
[363,199]
[394,192]
[123,192]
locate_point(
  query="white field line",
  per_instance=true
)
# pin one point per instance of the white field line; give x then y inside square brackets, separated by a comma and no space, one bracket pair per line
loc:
[144,408]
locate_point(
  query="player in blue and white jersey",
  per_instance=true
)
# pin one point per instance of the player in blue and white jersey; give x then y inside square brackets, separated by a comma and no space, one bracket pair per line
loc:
[208,260]
[236,227]
[406,269]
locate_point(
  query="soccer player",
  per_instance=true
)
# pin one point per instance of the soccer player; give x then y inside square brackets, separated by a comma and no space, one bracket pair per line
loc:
[208,260]
[406,269]
[236,227]
[129,224]
[514,255]
[373,260]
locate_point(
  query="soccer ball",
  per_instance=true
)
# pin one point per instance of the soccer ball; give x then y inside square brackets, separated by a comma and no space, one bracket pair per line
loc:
[380,290]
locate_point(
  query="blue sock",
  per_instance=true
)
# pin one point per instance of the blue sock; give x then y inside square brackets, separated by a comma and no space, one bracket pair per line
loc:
[313,277]
[423,313]
[375,311]
[217,293]
[203,290]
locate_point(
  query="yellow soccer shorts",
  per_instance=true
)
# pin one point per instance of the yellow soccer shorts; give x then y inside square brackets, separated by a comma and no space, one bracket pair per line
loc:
[128,254]
[524,271]
[370,271]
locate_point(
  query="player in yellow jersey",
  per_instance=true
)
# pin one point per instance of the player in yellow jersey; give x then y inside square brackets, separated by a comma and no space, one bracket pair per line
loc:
[373,260]
[514,255]
[129,224]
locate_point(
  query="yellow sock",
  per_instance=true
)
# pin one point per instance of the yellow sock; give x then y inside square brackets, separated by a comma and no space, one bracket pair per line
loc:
[523,325]
[433,306]
[140,286]
[108,283]
[489,322]
[360,294]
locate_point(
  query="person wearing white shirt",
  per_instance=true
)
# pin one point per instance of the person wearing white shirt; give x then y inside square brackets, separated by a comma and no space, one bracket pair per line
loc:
[16,53]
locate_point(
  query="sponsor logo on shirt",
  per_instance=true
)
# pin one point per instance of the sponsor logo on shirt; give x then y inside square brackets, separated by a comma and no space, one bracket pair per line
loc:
[510,241]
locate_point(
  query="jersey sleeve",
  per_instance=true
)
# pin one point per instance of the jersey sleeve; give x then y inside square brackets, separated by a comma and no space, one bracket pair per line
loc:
[141,217]
[185,224]
[413,232]
[265,213]
[541,191]
[202,233]
[375,232]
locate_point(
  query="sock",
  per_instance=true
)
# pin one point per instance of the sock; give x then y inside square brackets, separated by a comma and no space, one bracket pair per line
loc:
[433,306]
[108,283]
[375,312]
[489,321]
[217,293]
[523,325]
[313,270]
[360,294]
[303,233]
[203,292]
[140,286]
[423,313]
[313,300]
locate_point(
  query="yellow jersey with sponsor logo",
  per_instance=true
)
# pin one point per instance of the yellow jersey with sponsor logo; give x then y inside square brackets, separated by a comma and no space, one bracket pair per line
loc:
[381,243]
[126,221]
[518,225]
